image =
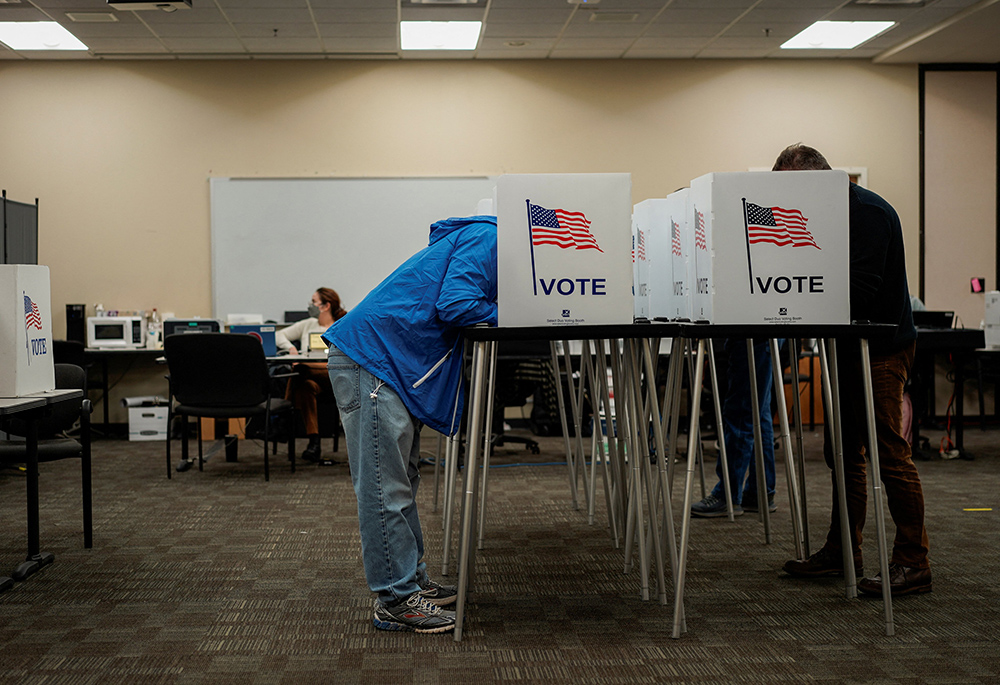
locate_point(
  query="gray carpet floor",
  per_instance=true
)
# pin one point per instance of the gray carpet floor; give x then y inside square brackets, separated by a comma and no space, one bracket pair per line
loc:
[219,577]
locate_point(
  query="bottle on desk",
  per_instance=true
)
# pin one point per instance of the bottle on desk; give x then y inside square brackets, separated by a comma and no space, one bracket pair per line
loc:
[153,329]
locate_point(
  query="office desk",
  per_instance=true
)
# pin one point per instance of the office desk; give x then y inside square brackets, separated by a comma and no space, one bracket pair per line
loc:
[484,340]
[32,406]
[960,344]
[104,355]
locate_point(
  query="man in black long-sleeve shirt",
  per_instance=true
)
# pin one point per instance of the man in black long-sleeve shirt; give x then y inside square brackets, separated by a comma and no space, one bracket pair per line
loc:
[879,294]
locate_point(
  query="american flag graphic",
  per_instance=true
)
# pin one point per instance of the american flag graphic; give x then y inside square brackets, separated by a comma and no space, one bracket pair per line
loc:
[778,226]
[675,238]
[699,230]
[561,228]
[32,318]
[640,246]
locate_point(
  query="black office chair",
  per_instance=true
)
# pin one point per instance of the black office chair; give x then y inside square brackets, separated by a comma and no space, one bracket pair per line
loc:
[222,375]
[52,443]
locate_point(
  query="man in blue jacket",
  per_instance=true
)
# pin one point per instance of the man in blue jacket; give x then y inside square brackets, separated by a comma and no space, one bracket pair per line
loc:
[396,364]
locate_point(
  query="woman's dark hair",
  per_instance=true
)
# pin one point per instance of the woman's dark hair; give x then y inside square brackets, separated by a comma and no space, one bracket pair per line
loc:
[329,296]
[800,157]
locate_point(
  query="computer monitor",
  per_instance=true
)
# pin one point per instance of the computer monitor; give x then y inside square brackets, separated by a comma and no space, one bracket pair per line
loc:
[263,332]
[933,319]
[174,326]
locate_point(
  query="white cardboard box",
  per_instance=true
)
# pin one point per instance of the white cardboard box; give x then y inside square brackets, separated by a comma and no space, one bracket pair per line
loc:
[25,330]
[147,423]
[775,247]
[640,262]
[564,249]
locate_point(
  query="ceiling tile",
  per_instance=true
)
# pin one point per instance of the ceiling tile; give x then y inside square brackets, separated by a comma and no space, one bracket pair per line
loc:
[672,29]
[523,30]
[347,44]
[279,44]
[268,31]
[371,30]
[354,16]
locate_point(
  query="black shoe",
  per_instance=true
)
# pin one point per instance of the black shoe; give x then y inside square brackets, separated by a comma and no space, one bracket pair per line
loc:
[903,580]
[826,562]
[713,507]
[313,452]
[750,504]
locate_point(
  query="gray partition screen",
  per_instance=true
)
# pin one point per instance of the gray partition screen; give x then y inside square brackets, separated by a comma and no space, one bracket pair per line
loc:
[274,241]
[19,222]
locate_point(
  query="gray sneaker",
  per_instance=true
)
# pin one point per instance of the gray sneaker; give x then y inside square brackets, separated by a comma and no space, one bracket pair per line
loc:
[435,593]
[713,507]
[413,614]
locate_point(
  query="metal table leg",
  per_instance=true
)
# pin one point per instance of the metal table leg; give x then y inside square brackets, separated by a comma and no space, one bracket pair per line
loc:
[688,485]
[466,548]
[876,479]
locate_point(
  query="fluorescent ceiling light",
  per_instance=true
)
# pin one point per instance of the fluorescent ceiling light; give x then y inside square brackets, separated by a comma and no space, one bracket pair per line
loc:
[837,35]
[38,35]
[439,35]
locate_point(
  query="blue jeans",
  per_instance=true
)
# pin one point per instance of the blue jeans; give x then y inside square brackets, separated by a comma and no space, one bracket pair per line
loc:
[383,448]
[737,419]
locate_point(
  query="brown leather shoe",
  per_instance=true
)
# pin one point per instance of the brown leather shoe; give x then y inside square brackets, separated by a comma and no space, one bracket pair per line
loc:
[826,562]
[903,580]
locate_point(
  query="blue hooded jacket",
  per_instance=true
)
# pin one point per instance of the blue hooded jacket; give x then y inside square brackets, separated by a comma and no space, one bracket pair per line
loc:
[407,330]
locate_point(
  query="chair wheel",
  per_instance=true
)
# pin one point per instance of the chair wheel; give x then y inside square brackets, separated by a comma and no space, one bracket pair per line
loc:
[183,465]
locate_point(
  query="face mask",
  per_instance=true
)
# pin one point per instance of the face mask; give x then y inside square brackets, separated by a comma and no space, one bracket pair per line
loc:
[313,310]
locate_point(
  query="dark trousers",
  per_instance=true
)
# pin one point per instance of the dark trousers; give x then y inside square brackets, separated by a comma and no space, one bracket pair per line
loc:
[303,390]
[899,476]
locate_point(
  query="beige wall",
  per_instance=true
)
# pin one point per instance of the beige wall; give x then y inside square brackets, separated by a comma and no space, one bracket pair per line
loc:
[120,153]
[960,232]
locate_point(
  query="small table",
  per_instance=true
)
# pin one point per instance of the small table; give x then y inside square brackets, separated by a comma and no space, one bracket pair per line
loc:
[103,355]
[961,344]
[33,406]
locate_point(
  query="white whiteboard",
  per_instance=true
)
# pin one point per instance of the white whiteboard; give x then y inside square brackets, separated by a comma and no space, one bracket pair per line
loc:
[275,241]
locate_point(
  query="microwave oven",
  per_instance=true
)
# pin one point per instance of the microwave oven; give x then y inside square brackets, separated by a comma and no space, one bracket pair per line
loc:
[116,331]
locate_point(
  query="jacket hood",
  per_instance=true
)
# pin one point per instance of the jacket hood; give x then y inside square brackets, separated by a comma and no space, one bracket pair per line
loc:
[439,229]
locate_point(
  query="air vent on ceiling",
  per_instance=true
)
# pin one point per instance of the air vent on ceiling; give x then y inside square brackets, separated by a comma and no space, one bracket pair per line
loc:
[614,17]
[91,17]
[165,5]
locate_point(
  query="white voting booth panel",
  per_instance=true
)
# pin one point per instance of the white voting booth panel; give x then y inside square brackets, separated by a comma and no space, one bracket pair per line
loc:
[640,263]
[771,247]
[672,258]
[654,214]
[564,249]
[25,330]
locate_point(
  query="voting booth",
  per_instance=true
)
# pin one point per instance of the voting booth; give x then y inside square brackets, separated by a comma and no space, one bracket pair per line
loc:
[770,247]
[654,215]
[25,330]
[564,249]
[671,257]
[640,263]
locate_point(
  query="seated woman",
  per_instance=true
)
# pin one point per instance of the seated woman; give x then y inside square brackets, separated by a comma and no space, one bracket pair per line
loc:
[313,379]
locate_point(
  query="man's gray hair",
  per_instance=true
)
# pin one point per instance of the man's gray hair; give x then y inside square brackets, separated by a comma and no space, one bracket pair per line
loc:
[800,157]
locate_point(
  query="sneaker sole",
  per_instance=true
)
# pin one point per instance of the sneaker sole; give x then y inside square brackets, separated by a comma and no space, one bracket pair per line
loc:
[404,628]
